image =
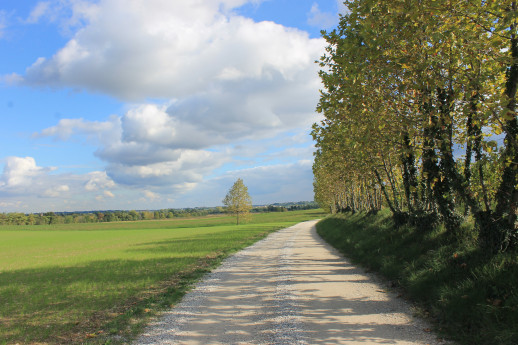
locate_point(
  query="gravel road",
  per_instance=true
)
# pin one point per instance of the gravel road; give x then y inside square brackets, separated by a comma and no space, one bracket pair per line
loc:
[290,288]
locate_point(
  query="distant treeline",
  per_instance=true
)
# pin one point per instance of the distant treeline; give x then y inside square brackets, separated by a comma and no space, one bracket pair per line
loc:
[288,206]
[47,218]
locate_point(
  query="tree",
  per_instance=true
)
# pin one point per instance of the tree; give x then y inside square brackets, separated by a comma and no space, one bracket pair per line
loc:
[404,83]
[238,201]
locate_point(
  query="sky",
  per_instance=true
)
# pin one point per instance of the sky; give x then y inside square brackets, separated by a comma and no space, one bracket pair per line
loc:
[153,104]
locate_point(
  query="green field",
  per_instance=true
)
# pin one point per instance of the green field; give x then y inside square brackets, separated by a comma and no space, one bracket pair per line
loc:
[72,282]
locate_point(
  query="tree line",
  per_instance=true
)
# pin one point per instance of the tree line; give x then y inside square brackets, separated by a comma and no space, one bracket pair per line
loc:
[48,218]
[419,106]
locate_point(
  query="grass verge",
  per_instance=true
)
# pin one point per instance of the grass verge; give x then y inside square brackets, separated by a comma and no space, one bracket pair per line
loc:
[471,297]
[101,283]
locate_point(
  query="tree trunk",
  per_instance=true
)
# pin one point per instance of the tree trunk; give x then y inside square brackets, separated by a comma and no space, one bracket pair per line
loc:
[384,191]
[409,174]
[506,198]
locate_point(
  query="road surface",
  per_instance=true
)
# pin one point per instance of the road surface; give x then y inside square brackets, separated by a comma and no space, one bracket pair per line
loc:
[290,288]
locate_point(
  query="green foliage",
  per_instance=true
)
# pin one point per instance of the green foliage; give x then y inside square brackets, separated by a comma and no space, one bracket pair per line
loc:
[16,218]
[238,201]
[404,83]
[66,283]
[470,297]
[102,216]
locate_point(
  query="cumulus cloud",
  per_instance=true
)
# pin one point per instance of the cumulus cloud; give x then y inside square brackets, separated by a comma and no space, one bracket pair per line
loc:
[217,78]
[141,149]
[98,180]
[190,167]
[22,176]
[148,123]
[25,185]
[222,78]
[174,49]
[149,146]
[19,173]
[225,72]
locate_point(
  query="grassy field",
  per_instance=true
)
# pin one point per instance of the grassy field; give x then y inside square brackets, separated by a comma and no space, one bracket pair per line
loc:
[472,297]
[75,282]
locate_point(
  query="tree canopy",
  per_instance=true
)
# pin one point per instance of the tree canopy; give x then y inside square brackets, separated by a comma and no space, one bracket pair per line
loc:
[237,201]
[419,100]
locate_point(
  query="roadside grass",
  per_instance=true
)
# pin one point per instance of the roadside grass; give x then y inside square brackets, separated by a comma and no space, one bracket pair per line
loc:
[471,298]
[100,283]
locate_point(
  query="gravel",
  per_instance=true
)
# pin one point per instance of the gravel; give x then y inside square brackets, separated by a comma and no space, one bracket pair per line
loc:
[290,288]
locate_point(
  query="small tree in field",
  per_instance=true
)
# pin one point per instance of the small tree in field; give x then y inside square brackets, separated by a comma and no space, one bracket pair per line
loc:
[237,201]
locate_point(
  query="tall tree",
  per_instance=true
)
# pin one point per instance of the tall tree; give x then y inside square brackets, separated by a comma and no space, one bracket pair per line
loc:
[237,201]
[407,84]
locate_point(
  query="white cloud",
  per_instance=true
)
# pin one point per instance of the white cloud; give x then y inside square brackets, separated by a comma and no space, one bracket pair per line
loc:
[218,79]
[321,19]
[223,78]
[95,190]
[69,14]
[41,9]
[142,152]
[228,77]
[98,180]
[189,168]
[141,149]
[27,187]
[150,124]
[19,172]
[150,195]
[108,194]
[67,128]
[174,49]
[149,146]
[56,191]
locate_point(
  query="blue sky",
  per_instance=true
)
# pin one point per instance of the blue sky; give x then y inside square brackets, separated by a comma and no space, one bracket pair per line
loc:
[149,104]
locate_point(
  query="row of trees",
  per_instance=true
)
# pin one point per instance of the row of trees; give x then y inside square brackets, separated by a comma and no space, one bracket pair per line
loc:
[419,101]
[47,218]
[101,216]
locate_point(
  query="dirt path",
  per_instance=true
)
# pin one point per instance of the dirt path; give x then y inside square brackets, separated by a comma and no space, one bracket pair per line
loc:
[290,288]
